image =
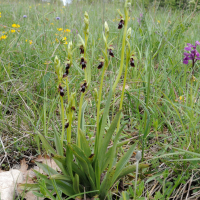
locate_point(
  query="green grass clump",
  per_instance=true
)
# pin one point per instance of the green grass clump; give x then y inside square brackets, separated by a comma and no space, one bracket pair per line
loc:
[160,105]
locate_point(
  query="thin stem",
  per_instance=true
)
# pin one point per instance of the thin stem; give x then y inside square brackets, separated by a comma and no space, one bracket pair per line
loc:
[99,101]
[122,51]
[124,84]
[67,84]
[137,163]
[63,120]
[69,128]
[79,120]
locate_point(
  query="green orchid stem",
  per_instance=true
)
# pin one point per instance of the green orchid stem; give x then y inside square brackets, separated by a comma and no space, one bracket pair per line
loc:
[122,51]
[79,120]
[63,120]
[124,84]
[67,84]
[99,102]
[136,176]
[69,128]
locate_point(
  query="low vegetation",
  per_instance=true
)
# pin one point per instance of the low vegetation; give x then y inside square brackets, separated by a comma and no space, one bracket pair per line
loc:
[109,91]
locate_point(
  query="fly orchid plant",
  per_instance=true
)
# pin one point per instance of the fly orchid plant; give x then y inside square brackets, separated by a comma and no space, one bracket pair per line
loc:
[85,169]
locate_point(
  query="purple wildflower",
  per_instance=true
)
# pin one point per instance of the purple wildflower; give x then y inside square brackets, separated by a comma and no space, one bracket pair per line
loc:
[24,16]
[139,19]
[193,53]
[58,18]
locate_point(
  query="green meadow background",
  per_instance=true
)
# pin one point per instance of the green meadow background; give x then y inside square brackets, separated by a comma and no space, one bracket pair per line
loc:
[29,100]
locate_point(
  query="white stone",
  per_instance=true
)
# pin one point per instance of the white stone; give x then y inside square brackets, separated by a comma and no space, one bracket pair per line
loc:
[8,183]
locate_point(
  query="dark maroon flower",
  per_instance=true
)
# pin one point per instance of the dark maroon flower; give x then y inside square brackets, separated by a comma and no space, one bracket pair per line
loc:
[132,63]
[83,63]
[60,89]
[66,73]
[67,66]
[67,125]
[110,52]
[73,108]
[83,87]
[100,65]
[81,49]
[121,23]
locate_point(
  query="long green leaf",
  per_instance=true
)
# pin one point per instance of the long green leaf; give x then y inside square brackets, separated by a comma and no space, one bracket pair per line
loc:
[82,116]
[104,117]
[84,144]
[61,177]
[130,169]
[122,162]
[76,184]
[69,161]
[75,168]
[112,174]
[47,169]
[104,143]
[85,164]
[46,144]
[57,141]
[113,149]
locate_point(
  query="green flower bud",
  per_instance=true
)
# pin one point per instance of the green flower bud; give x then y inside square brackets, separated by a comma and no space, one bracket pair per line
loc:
[86,21]
[96,95]
[106,29]
[128,33]
[70,46]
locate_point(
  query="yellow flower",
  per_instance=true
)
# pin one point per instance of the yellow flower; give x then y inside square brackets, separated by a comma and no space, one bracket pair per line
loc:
[57,40]
[15,25]
[65,43]
[59,29]
[30,42]
[47,62]
[180,97]
[26,40]
[12,31]
[3,37]
[193,78]
[113,20]
[64,38]
[133,18]
[52,23]
[29,6]
[158,21]
[67,30]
